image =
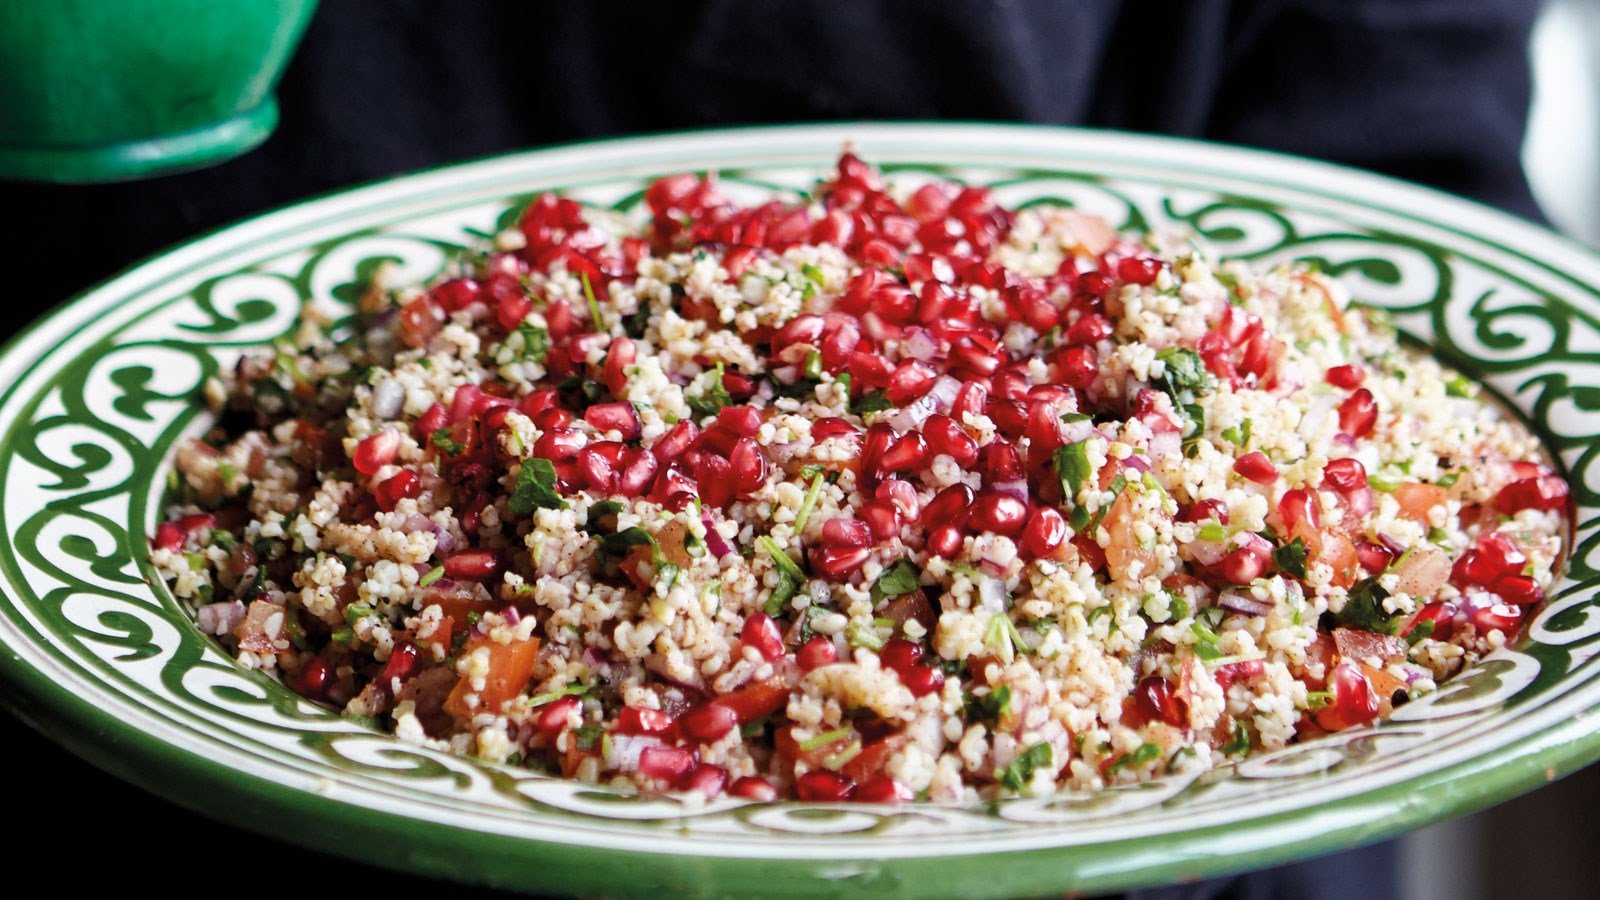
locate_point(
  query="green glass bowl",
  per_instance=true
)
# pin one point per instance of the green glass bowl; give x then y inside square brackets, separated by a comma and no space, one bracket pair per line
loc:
[108,90]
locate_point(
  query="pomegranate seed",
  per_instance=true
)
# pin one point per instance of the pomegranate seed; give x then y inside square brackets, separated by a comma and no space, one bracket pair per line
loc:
[597,468]
[622,354]
[752,787]
[815,653]
[374,452]
[1001,463]
[1155,699]
[908,453]
[1501,617]
[1373,557]
[1244,670]
[1347,377]
[401,663]
[1298,512]
[471,565]
[312,679]
[884,789]
[842,532]
[822,786]
[901,496]
[946,437]
[1206,511]
[838,563]
[1256,467]
[910,380]
[556,716]
[554,419]
[1544,492]
[1354,701]
[673,444]
[173,535]
[899,653]
[706,779]
[457,294]
[747,466]
[950,506]
[558,445]
[743,421]
[1497,556]
[1089,329]
[636,720]
[1345,475]
[762,633]
[881,519]
[945,541]
[430,421]
[619,416]
[1442,615]
[1242,565]
[1358,414]
[1044,534]
[971,399]
[921,680]
[1520,590]
[1000,513]
[638,474]
[832,427]
[399,486]
[1140,270]
[714,477]
[709,723]
[666,763]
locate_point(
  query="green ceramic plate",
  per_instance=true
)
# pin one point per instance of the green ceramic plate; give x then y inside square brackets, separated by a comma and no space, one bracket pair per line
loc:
[99,655]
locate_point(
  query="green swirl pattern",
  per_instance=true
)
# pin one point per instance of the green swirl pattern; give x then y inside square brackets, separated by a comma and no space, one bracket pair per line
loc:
[100,393]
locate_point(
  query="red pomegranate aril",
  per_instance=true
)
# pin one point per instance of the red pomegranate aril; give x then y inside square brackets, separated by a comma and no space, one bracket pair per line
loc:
[1206,511]
[312,679]
[884,789]
[622,354]
[747,466]
[1156,700]
[556,716]
[637,720]
[168,537]
[1044,534]
[823,786]
[713,476]
[899,653]
[972,398]
[1089,329]
[560,444]
[1442,615]
[666,763]
[1345,475]
[1347,377]
[1078,366]
[1298,512]
[673,444]
[1255,467]
[619,416]
[401,485]
[708,723]
[908,453]
[1354,701]
[1000,513]
[901,497]
[1502,617]
[838,563]
[910,380]
[881,518]
[553,419]
[457,294]
[435,418]
[1140,270]
[743,421]
[1001,463]
[843,532]
[830,427]
[1497,556]
[761,632]
[471,565]
[921,680]
[815,653]
[1242,565]
[945,541]
[401,663]
[1544,492]
[946,438]
[637,475]
[706,779]
[376,451]
[598,471]
[1373,557]
[950,506]
[755,788]
[1519,590]
[1358,414]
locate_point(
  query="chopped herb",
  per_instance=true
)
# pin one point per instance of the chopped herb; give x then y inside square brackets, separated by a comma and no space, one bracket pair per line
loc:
[900,578]
[1213,532]
[713,396]
[827,737]
[860,635]
[1241,740]
[1183,371]
[535,488]
[577,391]
[571,690]
[1458,385]
[751,729]
[871,401]
[589,736]
[1291,558]
[535,341]
[355,612]
[1363,609]
[616,546]
[1019,773]
[1239,434]
[1142,755]
[1316,700]
[1420,632]
[602,517]
[987,709]
[1383,483]
[594,305]
[1072,468]
[441,439]
[1205,644]
[790,576]
[1449,480]
[813,366]
[809,503]
[434,574]
[667,574]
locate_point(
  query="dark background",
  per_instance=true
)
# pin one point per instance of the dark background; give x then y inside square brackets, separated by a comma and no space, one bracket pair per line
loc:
[1434,91]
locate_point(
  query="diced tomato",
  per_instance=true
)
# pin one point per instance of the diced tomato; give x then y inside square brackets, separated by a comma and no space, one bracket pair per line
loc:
[510,669]
[1416,500]
[756,699]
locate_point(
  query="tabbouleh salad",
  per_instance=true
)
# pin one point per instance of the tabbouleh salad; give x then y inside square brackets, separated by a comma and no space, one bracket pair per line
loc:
[885,493]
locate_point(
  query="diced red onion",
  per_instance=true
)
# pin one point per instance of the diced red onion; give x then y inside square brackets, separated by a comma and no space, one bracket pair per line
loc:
[1245,604]
[1207,553]
[944,390]
[1360,501]
[512,616]
[1395,547]
[1166,444]
[919,343]
[1138,463]
[658,667]
[220,618]
[911,416]
[714,540]
[622,751]
[388,398]
[1017,489]
[1073,432]
[992,595]
[1316,413]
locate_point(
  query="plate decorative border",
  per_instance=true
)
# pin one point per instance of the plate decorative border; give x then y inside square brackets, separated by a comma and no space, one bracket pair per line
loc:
[98,654]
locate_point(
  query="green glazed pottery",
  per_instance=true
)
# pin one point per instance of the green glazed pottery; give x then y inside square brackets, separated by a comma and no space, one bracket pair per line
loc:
[107,90]
[96,652]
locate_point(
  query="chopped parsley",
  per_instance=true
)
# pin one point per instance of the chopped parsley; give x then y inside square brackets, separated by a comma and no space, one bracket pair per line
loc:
[790,576]
[871,401]
[433,575]
[1142,755]
[535,488]
[535,341]
[987,709]
[1363,609]
[1019,773]
[900,578]
[1291,558]
[712,397]
[443,440]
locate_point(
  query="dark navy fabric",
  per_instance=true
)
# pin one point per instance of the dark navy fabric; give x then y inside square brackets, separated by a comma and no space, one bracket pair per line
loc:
[1431,90]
